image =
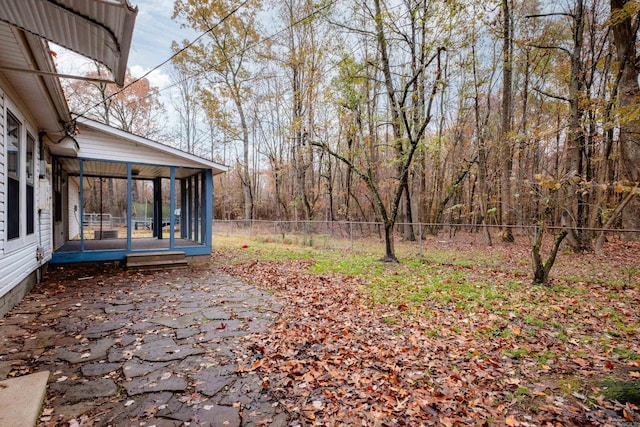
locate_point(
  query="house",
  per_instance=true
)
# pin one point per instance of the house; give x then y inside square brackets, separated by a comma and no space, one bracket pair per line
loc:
[50,162]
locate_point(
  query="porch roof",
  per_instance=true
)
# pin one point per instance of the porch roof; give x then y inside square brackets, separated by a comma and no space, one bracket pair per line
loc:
[112,169]
[106,150]
[101,29]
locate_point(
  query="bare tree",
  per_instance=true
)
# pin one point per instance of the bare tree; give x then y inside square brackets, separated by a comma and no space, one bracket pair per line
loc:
[223,60]
[188,110]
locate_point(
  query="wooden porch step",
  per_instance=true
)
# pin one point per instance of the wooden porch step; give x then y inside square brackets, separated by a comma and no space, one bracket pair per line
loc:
[173,259]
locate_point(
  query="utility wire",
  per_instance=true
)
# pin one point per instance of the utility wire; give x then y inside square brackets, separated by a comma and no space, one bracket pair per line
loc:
[206,70]
[227,16]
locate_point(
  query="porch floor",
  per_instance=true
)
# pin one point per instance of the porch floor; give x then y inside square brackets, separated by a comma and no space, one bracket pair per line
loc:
[140,244]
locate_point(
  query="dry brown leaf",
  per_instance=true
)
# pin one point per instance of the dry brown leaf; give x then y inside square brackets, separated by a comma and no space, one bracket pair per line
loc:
[511,421]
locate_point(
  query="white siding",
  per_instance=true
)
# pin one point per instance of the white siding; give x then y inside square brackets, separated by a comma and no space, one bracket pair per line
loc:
[16,266]
[17,262]
[74,209]
[46,227]
[45,219]
[96,145]
[2,173]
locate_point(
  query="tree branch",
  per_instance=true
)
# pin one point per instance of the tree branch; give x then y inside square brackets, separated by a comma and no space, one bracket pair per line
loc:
[547,15]
[550,95]
[541,46]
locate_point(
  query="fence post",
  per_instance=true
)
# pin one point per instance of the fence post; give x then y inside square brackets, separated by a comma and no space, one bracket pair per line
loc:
[251,228]
[420,237]
[351,234]
[275,230]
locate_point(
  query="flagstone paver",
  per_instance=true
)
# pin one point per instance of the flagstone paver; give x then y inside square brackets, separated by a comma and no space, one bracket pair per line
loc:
[165,380]
[91,390]
[99,369]
[142,348]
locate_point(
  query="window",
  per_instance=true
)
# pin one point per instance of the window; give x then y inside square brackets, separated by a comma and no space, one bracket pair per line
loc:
[13,181]
[30,184]
[20,199]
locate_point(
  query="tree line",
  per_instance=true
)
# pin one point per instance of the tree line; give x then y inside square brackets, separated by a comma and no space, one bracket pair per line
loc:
[501,112]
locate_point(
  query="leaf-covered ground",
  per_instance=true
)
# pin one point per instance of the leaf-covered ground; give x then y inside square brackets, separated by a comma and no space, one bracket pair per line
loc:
[452,338]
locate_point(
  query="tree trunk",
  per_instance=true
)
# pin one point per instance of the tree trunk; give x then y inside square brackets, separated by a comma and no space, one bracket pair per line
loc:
[541,270]
[113,205]
[574,164]
[625,35]
[482,174]
[599,247]
[506,209]
[245,175]
[482,149]
[135,191]
[348,192]
[524,149]
[389,250]
[409,235]
[301,175]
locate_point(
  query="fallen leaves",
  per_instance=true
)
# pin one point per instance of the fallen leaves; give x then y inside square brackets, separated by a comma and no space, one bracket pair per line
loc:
[337,358]
[511,421]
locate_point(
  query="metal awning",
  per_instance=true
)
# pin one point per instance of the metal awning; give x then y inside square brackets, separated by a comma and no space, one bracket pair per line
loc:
[98,29]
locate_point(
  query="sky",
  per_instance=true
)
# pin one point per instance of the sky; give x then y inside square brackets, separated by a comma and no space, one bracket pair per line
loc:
[153,33]
[152,36]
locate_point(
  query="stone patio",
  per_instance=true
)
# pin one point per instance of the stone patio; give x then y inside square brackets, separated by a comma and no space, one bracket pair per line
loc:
[126,348]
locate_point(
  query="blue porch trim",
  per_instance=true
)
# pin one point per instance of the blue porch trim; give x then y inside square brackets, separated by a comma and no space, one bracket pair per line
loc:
[205,206]
[120,254]
[129,206]
[189,204]
[183,209]
[208,210]
[81,208]
[157,208]
[197,201]
[172,208]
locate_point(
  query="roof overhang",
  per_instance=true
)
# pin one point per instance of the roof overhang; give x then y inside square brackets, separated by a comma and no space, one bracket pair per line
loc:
[99,29]
[180,158]
[41,95]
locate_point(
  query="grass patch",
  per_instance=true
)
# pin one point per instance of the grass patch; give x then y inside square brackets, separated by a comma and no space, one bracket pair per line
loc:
[530,320]
[622,391]
[486,294]
[626,353]
[516,353]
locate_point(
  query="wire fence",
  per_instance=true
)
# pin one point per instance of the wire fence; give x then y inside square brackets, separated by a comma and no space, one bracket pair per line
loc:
[352,233]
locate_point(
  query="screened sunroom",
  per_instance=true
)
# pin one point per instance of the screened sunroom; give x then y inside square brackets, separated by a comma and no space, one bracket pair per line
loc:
[115,194]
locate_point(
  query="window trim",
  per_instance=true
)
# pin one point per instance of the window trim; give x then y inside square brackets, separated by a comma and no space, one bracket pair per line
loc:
[30,183]
[14,182]
[24,237]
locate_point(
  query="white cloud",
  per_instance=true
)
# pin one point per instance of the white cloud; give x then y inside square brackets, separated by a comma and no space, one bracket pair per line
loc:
[154,32]
[157,78]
